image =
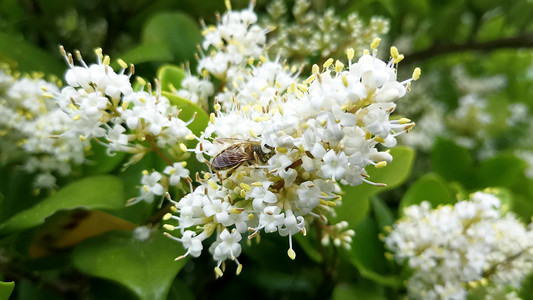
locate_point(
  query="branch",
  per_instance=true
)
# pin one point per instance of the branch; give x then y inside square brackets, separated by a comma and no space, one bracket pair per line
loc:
[519,41]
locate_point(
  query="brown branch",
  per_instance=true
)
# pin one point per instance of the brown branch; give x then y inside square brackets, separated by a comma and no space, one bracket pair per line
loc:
[519,41]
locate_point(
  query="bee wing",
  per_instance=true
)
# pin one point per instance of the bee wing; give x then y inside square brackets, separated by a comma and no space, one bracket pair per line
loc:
[231,141]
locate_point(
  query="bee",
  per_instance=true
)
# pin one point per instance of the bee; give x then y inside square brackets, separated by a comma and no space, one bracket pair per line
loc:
[238,153]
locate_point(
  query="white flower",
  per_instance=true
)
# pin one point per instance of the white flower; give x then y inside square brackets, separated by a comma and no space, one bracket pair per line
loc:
[227,246]
[334,166]
[150,183]
[453,245]
[176,172]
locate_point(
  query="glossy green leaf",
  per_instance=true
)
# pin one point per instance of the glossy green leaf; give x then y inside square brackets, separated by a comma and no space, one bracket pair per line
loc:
[6,288]
[452,162]
[170,75]
[154,52]
[523,207]
[28,57]
[176,31]
[145,267]
[430,187]
[188,109]
[368,254]
[502,170]
[356,200]
[98,192]
[382,213]
[99,162]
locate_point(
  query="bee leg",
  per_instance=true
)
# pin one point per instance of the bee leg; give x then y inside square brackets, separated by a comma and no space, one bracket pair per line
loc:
[230,171]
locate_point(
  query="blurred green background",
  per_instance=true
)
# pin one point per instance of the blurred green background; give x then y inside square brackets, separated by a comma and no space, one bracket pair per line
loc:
[466,49]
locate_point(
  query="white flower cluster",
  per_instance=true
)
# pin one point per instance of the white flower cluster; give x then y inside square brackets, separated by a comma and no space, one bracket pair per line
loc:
[231,45]
[279,147]
[104,106]
[30,122]
[455,249]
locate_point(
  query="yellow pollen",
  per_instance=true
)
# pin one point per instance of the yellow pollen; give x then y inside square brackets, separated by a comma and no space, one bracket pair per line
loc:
[339,66]
[246,108]
[315,69]
[258,108]
[350,53]
[145,188]
[327,63]
[167,216]
[106,61]
[172,171]
[183,147]
[416,73]
[404,121]
[168,227]
[239,269]
[381,164]
[216,107]
[207,176]
[281,150]
[228,7]
[243,194]
[302,87]
[310,79]
[291,254]
[379,139]
[366,52]
[48,95]
[218,271]
[375,43]
[240,176]
[262,58]
[250,61]
[122,63]
[83,138]
[173,209]
[394,52]
[251,216]
[76,117]
[212,184]
[212,118]
[398,59]
[245,186]
[237,210]
[345,80]
[257,183]
[252,132]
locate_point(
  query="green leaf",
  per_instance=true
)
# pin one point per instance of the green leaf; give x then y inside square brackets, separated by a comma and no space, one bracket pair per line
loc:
[175,31]
[28,57]
[452,162]
[522,207]
[145,267]
[382,213]
[170,75]
[502,170]
[188,109]
[155,52]
[430,187]
[98,192]
[309,249]
[6,288]
[368,254]
[356,200]
[358,291]
[99,162]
